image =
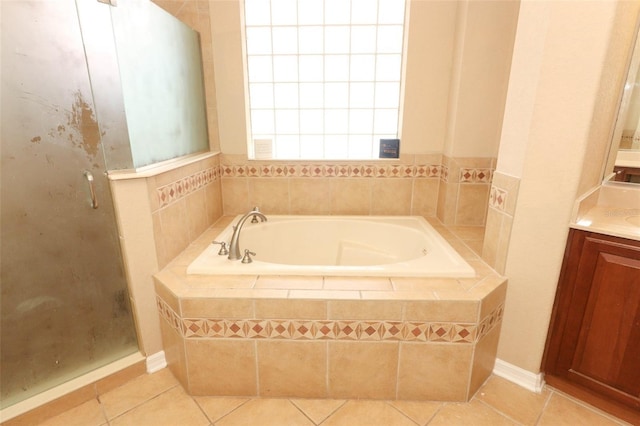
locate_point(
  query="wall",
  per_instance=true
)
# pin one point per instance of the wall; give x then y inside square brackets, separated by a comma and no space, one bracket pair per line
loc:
[561,96]
[459,112]
[159,214]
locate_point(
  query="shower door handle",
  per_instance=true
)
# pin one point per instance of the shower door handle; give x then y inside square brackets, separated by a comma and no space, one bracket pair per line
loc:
[92,192]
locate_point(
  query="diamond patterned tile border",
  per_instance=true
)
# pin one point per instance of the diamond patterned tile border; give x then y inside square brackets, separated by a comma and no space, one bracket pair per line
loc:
[295,329]
[180,188]
[498,198]
[332,170]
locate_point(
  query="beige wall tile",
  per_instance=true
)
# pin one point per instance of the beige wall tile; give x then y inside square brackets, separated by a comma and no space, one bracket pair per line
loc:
[362,370]
[447,201]
[310,196]
[503,244]
[289,282]
[154,201]
[216,308]
[356,283]
[174,353]
[213,201]
[391,196]
[292,369]
[174,228]
[484,359]
[442,310]
[235,196]
[160,279]
[492,236]
[270,194]
[162,255]
[472,204]
[197,213]
[425,197]
[418,283]
[291,309]
[495,289]
[222,367]
[434,372]
[366,310]
[350,196]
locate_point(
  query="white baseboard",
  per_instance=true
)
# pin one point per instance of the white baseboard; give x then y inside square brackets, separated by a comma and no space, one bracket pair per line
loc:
[528,380]
[156,362]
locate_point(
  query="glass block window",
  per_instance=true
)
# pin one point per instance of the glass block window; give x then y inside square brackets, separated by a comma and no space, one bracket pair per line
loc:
[324,76]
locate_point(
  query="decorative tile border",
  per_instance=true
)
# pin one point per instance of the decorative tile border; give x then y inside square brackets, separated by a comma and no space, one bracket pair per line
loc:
[332,170]
[498,198]
[174,191]
[295,329]
[475,175]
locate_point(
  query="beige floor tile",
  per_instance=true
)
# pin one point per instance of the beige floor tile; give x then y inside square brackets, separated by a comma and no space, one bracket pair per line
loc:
[88,414]
[266,412]
[419,412]
[513,400]
[368,413]
[473,413]
[318,409]
[561,411]
[174,407]
[218,407]
[137,391]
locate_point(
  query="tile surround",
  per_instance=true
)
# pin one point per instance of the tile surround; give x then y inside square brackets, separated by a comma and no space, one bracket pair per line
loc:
[412,184]
[500,214]
[327,315]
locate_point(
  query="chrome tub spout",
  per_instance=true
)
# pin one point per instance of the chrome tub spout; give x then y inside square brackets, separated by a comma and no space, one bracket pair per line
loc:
[234,245]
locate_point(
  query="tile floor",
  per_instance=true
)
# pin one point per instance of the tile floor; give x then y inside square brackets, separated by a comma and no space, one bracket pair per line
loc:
[158,400]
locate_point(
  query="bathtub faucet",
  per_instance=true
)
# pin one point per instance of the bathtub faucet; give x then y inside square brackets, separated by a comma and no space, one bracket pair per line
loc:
[234,245]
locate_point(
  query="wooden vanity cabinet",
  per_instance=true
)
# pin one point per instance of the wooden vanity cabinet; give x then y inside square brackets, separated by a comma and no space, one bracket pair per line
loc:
[593,345]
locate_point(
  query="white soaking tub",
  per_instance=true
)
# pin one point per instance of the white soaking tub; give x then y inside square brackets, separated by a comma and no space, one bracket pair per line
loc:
[386,246]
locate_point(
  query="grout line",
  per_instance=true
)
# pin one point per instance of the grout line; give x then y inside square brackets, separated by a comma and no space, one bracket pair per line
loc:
[249,399]
[301,411]
[544,407]
[344,402]
[442,405]
[389,403]
[146,401]
[486,404]
[587,406]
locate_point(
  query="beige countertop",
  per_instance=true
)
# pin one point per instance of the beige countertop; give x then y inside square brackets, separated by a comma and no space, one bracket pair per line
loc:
[611,209]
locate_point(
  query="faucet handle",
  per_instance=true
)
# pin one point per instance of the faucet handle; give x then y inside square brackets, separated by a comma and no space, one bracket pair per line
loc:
[254,218]
[247,256]
[223,248]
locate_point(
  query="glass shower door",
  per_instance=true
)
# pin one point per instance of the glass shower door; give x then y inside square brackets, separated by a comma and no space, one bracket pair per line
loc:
[65,309]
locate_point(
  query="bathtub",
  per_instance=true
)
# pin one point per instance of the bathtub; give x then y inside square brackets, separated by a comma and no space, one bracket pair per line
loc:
[386,246]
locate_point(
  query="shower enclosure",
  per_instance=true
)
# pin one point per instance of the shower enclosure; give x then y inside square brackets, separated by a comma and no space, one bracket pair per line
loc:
[65,308]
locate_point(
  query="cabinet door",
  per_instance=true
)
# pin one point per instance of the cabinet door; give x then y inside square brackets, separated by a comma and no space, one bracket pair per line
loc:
[595,334]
